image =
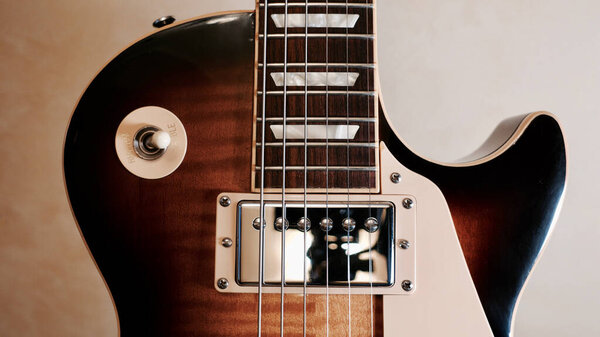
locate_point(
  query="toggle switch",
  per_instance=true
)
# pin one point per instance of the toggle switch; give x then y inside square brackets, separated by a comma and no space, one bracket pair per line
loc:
[150,142]
[159,140]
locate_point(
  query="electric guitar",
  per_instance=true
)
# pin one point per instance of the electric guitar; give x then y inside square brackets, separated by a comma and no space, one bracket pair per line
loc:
[236,175]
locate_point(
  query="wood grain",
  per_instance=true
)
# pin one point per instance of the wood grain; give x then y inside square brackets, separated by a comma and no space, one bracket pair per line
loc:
[153,240]
[321,50]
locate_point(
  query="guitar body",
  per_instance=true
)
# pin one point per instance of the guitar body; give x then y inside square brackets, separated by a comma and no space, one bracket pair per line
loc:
[154,240]
[503,206]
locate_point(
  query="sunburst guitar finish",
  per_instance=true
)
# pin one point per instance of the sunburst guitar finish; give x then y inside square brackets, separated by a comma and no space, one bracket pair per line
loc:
[480,226]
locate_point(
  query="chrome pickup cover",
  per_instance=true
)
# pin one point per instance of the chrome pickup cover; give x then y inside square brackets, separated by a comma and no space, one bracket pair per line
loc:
[390,263]
[338,245]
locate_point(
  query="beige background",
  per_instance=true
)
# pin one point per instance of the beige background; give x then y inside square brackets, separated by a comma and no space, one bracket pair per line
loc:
[451,70]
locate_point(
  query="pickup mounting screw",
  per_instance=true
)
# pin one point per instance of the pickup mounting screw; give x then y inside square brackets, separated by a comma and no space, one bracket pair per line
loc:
[227,242]
[408,203]
[395,177]
[222,283]
[225,201]
[404,244]
[407,285]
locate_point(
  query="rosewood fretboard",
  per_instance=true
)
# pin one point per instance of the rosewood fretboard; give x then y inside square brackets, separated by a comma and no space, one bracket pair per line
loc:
[341,95]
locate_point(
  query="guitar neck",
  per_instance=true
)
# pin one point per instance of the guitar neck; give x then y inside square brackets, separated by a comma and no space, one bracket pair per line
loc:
[316,97]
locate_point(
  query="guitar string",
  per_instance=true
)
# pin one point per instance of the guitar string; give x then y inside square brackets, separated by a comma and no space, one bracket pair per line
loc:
[348,251]
[284,164]
[305,163]
[369,232]
[326,168]
[262,176]
[283,172]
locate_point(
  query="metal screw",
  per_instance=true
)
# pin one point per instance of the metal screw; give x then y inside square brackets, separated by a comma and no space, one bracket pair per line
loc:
[163,21]
[303,224]
[226,242]
[326,224]
[222,283]
[256,223]
[408,203]
[404,244]
[395,177]
[349,224]
[279,223]
[371,225]
[225,201]
[407,285]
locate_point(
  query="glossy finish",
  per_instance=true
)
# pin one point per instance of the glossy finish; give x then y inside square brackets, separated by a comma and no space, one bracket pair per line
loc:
[337,241]
[154,240]
[503,210]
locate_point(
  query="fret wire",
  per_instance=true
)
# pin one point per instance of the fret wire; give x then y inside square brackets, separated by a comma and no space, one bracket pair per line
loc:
[320,119]
[331,65]
[319,168]
[319,4]
[320,92]
[295,144]
[321,35]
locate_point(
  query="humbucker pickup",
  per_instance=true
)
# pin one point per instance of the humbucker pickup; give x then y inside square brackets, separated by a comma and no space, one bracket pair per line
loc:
[340,239]
[348,241]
